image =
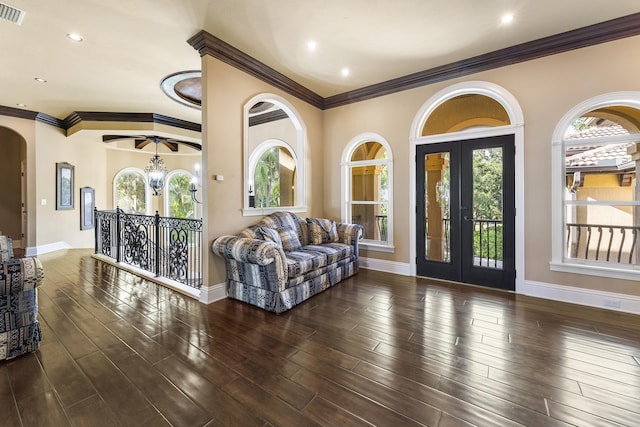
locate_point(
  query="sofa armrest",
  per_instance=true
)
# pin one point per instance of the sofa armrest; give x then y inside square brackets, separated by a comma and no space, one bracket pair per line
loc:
[20,274]
[349,233]
[243,249]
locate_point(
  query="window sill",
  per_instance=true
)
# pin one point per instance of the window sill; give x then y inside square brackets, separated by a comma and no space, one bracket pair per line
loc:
[596,270]
[267,211]
[378,247]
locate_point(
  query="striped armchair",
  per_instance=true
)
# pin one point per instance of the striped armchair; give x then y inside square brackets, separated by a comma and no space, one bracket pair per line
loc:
[283,260]
[19,279]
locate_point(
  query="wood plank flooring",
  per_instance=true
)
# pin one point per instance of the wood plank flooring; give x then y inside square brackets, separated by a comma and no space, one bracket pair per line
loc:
[377,349]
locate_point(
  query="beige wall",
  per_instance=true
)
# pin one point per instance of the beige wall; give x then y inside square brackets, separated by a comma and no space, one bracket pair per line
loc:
[63,226]
[225,92]
[546,89]
[282,130]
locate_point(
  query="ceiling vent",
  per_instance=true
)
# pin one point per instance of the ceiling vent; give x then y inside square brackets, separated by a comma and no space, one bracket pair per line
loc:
[11,14]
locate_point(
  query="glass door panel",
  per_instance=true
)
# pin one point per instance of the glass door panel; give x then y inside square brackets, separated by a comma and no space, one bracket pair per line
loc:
[465,211]
[487,207]
[437,176]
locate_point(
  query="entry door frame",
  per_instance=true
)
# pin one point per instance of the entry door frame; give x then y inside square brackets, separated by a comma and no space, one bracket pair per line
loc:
[516,128]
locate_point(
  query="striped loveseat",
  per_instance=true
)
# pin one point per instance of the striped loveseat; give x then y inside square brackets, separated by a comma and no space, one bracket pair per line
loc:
[284,259]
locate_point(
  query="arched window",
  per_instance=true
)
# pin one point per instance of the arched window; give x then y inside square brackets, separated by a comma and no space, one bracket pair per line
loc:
[274,175]
[179,202]
[274,153]
[367,189]
[130,192]
[596,216]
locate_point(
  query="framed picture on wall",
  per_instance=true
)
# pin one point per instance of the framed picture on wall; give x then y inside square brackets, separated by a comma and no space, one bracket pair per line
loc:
[87,204]
[64,186]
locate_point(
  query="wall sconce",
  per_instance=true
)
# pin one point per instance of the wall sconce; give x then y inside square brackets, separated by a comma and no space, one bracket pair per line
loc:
[252,198]
[195,185]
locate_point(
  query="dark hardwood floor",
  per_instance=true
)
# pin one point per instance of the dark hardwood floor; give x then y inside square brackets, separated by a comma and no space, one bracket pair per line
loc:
[377,349]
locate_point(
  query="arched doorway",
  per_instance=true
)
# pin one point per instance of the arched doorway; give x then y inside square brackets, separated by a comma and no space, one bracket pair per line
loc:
[466,174]
[13,214]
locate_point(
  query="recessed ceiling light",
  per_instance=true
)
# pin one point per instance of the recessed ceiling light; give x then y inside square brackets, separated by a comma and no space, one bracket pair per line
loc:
[75,37]
[40,79]
[21,105]
[312,45]
[345,72]
[506,19]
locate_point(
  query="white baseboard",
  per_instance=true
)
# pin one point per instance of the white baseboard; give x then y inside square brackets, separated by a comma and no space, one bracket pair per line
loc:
[588,297]
[395,267]
[172,284]
[213,293]
[43,249]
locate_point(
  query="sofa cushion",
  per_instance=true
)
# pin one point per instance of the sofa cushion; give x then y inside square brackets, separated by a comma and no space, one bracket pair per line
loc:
[290,240]
[322,231]
[333,251]
[303,261]
[269,235]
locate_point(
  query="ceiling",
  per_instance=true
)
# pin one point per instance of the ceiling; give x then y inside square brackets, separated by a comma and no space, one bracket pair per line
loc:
[130,46]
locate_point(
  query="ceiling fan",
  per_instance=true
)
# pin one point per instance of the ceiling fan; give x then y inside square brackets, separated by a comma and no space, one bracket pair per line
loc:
[141,141]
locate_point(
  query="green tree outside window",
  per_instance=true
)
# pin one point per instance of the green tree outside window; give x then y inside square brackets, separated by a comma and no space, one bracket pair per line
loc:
[130,189]
[181,204]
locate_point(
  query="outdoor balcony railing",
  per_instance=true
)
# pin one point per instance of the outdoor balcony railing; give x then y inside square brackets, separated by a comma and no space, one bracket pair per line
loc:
[487,242]
[598,242]
[166,247]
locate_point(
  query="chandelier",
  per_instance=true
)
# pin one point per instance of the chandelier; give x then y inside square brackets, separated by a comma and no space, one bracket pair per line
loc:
[156,173]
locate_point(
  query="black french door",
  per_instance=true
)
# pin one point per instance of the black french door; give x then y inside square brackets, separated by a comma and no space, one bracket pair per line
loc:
[465,197]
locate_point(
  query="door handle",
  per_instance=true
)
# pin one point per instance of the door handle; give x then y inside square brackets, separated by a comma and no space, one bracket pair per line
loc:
[466,218]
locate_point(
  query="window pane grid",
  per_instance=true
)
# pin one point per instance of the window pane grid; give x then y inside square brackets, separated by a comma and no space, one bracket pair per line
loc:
[368,172]
[601,214]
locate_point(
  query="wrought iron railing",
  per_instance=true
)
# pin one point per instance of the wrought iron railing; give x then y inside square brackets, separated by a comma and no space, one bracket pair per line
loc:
[598,242]
[487,241]
[165,247]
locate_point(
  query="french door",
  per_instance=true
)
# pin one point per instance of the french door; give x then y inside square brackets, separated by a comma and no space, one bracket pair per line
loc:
[465,201]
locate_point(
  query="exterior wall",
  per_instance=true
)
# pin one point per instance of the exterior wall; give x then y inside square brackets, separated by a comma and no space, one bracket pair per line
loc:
[546,89]
[225,91]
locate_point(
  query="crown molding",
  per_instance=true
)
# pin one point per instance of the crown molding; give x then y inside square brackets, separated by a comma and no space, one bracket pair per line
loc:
[626,26]
[208,44]
[263,118]
[79,116]
[30,115]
